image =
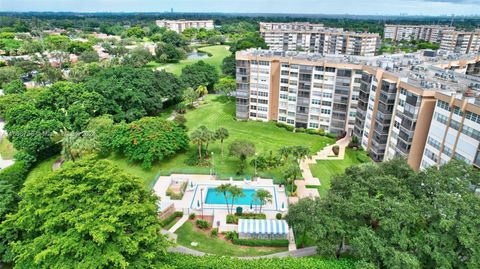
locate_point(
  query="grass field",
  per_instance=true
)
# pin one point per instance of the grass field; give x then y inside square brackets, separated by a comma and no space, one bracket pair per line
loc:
[7,151]
[187,235]
[325,170]
[218,53]
[42,169]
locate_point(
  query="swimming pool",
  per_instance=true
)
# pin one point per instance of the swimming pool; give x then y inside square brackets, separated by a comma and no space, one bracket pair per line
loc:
[214,197]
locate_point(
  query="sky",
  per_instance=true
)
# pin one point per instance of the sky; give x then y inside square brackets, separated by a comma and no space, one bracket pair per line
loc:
[356,7]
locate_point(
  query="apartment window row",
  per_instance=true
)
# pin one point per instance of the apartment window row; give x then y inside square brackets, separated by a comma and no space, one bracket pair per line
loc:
[447,151]
[441,118]
[475,134]
[264,63]
[455,124]
[260,101]
[473,117]
[444,105]
[460,157]
[434,143]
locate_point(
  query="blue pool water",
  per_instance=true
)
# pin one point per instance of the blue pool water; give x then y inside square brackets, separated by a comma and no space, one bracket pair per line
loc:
[214,197]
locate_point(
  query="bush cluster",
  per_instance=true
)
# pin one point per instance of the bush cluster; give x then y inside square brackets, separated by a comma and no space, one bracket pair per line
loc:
[233,219]
[171,218]
[261,242]
[202,224]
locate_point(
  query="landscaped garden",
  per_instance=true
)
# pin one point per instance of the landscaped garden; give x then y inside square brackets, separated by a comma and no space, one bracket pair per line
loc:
[216,55]
[205,242]
[325,170]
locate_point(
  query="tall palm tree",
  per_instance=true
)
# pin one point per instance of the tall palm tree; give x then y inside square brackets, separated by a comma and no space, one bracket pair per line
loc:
[285,152]
[264,197]
[225,189]
[76,144]
[208,136]
[198,138]
[291,173]
[235,192]
[201,91]
[221,134]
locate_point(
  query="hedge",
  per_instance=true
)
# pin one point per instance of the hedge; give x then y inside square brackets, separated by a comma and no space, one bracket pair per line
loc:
[261,242]
[185,261]
[171,218]
[234,218]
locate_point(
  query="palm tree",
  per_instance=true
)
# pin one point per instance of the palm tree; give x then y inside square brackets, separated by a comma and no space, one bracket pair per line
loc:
[292,173]
[76,144]
[197,138]
[208,136]
[235,192]
[201,91]
[264,197]
[190,95]
[285,152]
[221,134]
[225,189]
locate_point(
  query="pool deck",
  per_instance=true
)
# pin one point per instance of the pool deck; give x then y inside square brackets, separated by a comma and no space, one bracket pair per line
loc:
[196,191]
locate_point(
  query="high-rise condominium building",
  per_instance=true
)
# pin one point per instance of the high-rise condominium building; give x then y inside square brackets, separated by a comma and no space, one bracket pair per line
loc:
[180,25]
[450,40]
[388,102]
[316,38]
[430,33]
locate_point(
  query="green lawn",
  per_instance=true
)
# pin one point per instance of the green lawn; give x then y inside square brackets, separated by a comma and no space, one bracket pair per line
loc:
[218,112]
[42,169]
[218,53]
[325,170]
[187,235]
[7,151]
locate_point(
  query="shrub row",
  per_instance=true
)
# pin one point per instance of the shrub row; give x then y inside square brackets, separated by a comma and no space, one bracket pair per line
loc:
[171,218]
[261,242]
[234,218]
[184,261]
[202,224]
[285,126]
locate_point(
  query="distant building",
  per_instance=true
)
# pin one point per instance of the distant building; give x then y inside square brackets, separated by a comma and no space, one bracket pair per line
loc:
[390,103]
[430,33]
[316,38]
[460,42]
[180,25]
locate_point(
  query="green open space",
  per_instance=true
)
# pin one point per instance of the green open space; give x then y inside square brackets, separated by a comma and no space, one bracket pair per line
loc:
[216,53]
[7,151]
[187,234]
[325,170]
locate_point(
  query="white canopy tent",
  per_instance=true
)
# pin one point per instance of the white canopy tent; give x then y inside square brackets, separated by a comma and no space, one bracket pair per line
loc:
[264,229]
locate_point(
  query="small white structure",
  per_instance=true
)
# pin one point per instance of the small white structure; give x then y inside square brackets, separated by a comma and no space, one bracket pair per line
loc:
[262,229]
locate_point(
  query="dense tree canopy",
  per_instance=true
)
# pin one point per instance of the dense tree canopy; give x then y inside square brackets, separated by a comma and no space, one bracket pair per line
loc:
[149,139]
[88,214]
[200,74]
[132,93]
[392,217]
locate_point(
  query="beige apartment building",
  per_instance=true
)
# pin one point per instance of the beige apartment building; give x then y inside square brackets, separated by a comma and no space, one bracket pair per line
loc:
[430,33]
[180,25]
[316,38]
[460,42]
[388,102]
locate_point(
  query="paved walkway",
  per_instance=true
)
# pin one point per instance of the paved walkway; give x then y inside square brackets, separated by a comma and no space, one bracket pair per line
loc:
[308,179]
[179,224]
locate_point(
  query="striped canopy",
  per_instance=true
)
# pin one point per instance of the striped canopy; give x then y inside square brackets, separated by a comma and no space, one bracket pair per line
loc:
[261,226]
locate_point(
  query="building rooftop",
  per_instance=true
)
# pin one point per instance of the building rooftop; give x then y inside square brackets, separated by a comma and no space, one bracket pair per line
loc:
[412,68]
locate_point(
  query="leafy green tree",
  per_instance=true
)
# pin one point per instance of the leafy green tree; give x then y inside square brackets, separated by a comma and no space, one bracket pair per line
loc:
[200,73]
[137,57]
[226,85]
[89,56]
[149,139]
[392,217]
[173,38]
[242,149]
[78,47]
[77,144]
[221,134]
[225,190]
[229,66]
[299,217]
[190,95]
[135,31]
[15,86]
[263,196]
[9,73]
[168,53]
[87,214]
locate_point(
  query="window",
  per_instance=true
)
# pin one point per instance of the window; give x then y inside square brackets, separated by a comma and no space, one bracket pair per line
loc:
[313,125]
[403,91]
[441,118]
[326,103]
[292,98]
[283,96]
[315,102]
[473,117]
[447,151]
[431,155]
[401,103]
[282,119]
[316,76]
[327,95]
[284,80]
[457,111]
[455,124]
[434,143]
[443,105]
[326,111]
[318,68]
[475,134]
